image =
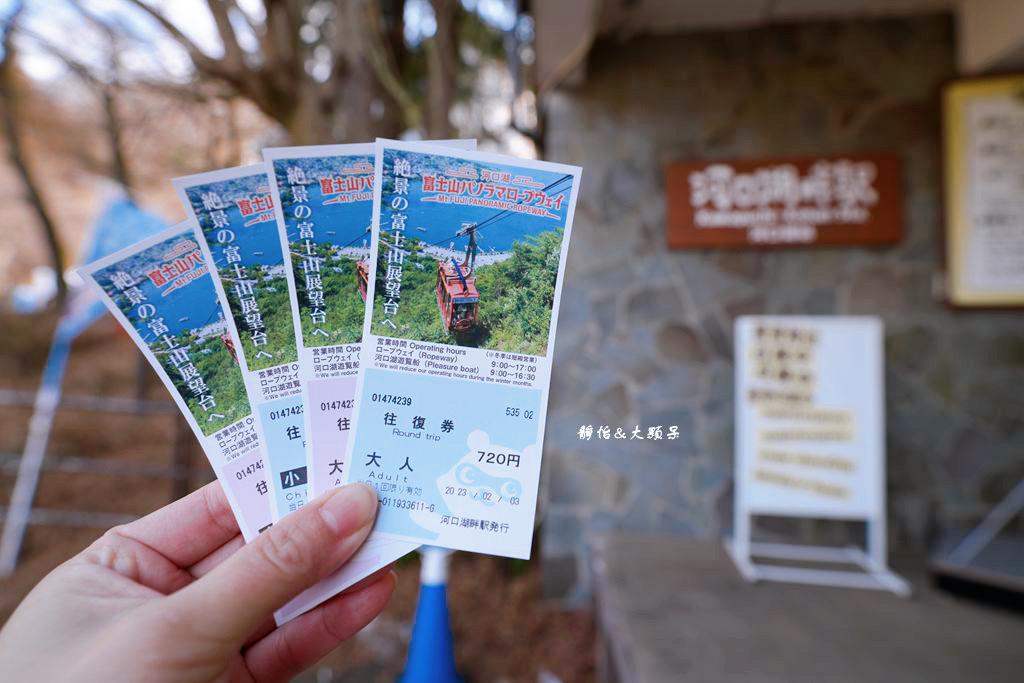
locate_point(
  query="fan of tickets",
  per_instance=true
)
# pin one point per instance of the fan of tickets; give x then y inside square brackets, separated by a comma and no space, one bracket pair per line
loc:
[378,312]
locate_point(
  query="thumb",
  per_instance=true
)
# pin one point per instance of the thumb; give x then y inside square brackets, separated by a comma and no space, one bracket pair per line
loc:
[240,594]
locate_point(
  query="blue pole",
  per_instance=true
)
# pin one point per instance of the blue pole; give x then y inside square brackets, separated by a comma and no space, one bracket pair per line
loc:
[47,399]
[431,650]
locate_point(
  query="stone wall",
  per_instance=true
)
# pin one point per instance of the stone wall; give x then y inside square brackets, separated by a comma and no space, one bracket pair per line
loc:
[645,334]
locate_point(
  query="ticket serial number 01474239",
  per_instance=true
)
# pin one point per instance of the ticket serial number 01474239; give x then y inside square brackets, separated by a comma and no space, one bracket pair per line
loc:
[251,469]
[391,398]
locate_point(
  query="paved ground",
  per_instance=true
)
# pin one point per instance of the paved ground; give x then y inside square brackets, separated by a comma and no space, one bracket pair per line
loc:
[677,610]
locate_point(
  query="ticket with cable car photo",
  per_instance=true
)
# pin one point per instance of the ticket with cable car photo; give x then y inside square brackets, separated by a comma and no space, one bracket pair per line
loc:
[162,293]
[468,255]
[323,198]
[237,232]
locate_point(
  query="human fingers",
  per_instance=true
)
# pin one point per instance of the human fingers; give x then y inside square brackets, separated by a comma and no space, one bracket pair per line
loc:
[236,596]
[136,561]
[206,564]
[188,529]
[305,640]
[270,624]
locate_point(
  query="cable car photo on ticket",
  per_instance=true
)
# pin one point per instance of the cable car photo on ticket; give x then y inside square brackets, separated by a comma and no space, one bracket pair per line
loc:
[468,252]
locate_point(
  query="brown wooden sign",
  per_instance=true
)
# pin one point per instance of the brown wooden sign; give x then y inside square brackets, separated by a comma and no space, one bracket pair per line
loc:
[854,199]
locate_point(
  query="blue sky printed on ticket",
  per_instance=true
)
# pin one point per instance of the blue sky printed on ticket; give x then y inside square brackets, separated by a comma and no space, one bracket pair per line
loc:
[492,231]
[234,209]
[468,258]
[325,205]
[164,293]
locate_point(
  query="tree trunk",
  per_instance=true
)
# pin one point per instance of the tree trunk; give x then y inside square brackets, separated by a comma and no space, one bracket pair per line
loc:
[9,114]
[307,122]
[441,69]
[361,106]
[119,166]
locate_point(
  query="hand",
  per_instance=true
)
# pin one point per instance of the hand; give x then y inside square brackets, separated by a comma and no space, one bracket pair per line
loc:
[177,596]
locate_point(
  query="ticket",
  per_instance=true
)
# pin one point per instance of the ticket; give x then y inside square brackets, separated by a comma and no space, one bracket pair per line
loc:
[467,253]
[237,232]
[162,293]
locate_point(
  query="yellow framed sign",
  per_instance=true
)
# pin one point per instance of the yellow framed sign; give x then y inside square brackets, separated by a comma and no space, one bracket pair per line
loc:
[983,145]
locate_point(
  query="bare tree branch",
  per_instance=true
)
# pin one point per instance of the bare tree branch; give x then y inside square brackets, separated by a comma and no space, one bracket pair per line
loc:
[106,89]
[197,55]
[118,161]
[70,63]
[233,57]
[232,4]
[368,90]
[279,41]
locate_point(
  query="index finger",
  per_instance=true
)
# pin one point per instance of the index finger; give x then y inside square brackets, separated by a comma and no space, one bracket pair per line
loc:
[188,529]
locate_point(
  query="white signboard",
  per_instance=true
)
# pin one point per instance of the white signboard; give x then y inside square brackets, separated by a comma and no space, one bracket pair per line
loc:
[983,149]
[810,440]
[809,416]
[994,249]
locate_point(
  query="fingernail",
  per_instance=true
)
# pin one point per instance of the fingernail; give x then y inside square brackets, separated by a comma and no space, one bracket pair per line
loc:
[349,508]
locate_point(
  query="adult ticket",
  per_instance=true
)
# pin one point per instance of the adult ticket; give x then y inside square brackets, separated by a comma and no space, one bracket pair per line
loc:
[467,254]
[162,293]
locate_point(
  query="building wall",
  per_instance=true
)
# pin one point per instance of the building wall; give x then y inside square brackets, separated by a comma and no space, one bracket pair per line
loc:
[645,333]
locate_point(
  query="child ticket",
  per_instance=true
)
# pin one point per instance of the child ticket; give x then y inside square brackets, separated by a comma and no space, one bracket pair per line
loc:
[323,203]
[161,291]
[237,232]
[467,256]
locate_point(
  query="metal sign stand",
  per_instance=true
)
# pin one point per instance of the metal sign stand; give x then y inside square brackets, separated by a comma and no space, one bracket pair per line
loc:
[820,349]
[39,426]
[961,562]
[875,575]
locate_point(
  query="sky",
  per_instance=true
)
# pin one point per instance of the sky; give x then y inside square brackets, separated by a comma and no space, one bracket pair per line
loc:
[51,20]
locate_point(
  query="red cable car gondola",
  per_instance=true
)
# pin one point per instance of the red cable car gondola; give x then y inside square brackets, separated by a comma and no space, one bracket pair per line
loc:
[362,273]
[225,339]
[457,297]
